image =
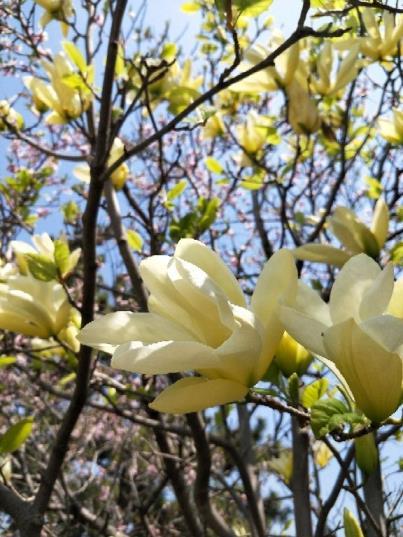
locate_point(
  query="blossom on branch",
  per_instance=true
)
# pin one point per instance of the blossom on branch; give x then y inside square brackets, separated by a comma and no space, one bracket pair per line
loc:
[199,321]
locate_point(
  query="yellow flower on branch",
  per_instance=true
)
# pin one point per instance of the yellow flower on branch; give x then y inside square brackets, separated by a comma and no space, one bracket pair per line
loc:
[69,93]
[59,10]
[199,321]
[359,334]
[34,308]
[353,234]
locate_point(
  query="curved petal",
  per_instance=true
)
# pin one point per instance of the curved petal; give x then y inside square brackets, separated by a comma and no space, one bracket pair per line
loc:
[239,355]
[310,302]
[322,253]
[380,222]
[386,330]
[373,374]
[345,226]
[395,306]
[120,327]
[208,305]
[164,299]
[305,329]
[376,299]
[163,357]
[196,393]
[276,285]
[352,282]
[200,255]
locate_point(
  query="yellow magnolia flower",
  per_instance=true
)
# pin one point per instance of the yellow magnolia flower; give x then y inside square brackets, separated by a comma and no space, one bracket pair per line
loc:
[252,136]
[354,235]
[392,130]
[291,357]
[33,307]
[271,78]
[283,465]
[324,83]
[303,114]
[357,334]
[59,10]
[199,321]
[43,245]
[118,177]
[9,116]
[45,250]
[382,41]
[69,93]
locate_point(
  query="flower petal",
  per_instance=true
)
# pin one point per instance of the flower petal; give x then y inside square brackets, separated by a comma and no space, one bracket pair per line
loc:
[386,330]
[200,255]
[373,374]
[322,253]
[196,393]
[208,305]
[376,299]
[276,285]
[164,357]
[164,299]
[120,327]
[305,329]
[380,222]
[395,306]
[239,354]
[352,282]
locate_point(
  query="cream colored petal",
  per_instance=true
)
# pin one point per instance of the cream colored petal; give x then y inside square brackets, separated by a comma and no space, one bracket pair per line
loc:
[344,225]
[380,222]
[164,299]
[304,329]
[239,356]
[353,281]
[120,327]
[387,331]
[309,301]
[395,306]
[164,357]
[195,394]
[18,322]
[376,298]
[21,247]
[373,374]
[388,131]
[322,253]
[207,304]
[276,285]
[200,255]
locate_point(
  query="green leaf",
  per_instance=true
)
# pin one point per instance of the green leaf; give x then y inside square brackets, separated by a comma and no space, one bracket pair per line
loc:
[323,414]
[169,51]
[41,267]
[396,254]
[213,165]
[62,254]
[74,81]
[75,55]
[314,392]
[134,239]
[71,377]
[177,190]
[375,188]
[6,361]
[16,435]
